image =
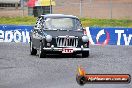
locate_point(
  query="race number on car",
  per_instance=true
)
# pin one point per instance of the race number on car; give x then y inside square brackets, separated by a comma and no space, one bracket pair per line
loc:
[67,50]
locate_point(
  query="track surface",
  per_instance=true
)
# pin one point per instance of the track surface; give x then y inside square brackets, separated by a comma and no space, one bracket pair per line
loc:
[18,69]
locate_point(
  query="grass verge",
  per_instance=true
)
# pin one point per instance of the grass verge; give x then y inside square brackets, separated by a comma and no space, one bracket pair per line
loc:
[85,21]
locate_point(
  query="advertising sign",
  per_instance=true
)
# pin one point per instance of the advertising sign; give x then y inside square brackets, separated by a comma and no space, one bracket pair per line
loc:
[12,33]
[97,35]
[110,36]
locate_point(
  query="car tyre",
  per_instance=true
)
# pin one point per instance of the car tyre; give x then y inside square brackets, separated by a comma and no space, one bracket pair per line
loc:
[32,50]
[85,54]
[42,54]
[74,54]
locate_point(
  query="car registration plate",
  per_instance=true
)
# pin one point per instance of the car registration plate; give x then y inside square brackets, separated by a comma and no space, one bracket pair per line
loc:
[67,50]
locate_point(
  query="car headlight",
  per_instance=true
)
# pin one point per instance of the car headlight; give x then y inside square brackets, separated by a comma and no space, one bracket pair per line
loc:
[48,38]
[85,38]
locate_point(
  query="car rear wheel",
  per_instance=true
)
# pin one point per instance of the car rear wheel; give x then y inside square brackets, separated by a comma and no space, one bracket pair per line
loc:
[32,50]
[85,54]
[42,54]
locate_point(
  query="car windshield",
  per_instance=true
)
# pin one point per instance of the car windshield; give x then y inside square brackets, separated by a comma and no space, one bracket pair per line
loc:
[62,23]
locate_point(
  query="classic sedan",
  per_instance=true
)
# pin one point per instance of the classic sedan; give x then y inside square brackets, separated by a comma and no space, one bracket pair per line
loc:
[58,33]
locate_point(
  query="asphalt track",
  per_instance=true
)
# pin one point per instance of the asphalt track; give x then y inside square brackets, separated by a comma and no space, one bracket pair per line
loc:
[18,69]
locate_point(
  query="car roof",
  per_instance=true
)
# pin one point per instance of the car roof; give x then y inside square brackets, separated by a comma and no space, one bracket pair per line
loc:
[58,15]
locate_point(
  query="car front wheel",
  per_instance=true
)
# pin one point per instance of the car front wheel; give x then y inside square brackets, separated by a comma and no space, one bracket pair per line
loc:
[42,54]
[85,54]
[32,50]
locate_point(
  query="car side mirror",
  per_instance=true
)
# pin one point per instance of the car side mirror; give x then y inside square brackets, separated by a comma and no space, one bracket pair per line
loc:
[84,31]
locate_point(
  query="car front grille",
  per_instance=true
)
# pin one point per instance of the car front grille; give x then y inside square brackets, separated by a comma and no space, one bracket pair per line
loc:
[70,41]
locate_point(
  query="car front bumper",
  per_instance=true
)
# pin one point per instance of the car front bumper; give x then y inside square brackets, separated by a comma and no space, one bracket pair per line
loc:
[61,49]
